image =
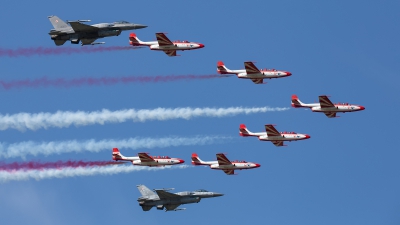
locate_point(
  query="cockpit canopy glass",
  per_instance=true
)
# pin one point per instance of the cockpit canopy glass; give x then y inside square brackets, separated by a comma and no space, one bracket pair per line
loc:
[201,190]
[121,22]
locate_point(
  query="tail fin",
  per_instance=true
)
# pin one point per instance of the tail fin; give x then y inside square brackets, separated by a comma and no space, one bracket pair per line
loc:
[196,160]
[221,68]
[243,131]
[116,155]
[145,191]
[58,24]
[134,40]
[296,103]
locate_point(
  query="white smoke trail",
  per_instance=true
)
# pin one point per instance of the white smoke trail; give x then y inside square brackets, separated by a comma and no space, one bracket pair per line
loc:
[80,171]
[34,121]
[22,149]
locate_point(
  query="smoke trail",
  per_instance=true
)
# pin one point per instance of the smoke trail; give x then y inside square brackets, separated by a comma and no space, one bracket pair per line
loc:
[93,81]
[60,119]
[37,165]
[79,171]
[42,51]
[23,149]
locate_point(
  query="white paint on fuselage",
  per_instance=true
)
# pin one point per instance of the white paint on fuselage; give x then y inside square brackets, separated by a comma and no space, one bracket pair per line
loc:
[175,46]
[234,166]
[283,137]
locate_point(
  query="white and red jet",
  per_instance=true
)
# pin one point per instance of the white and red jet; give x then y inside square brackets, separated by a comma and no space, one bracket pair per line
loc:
[252,72]
[224,164]
[326,106]
[164,44]
[143,159]
[271,134]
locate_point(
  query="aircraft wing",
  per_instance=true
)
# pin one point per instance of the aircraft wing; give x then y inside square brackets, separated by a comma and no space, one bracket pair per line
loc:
[229,172]
[330,114]
[251,68]
[163,40]
[278,143]
[171,207]
[170,52]
[79,27]
[88,41]
[222,160]
[325,102]
[257,80]
[166,195]
[144,157]
[271,131]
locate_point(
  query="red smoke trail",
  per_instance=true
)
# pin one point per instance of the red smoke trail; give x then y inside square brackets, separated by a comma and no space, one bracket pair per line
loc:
[59,50]
[92,81]
[52,165]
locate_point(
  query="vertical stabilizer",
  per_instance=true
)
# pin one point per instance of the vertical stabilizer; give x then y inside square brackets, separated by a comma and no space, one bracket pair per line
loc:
[58,24]
[145,191]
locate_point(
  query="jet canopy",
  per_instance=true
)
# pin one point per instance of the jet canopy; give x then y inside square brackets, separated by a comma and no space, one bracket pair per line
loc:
[161,157]
[239,161]
[178,41]
[342,103]
[121,22]
[201,190]
[286,132]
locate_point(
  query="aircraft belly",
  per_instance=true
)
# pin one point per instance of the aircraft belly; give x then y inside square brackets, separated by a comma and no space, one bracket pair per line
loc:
[108,33]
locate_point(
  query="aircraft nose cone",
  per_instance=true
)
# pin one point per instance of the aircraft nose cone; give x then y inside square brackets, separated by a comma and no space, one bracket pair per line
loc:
[288,73]
[201,46]
[307,136]
[362,107]
[257,165]
[139,26]
[217,194]
[181,161]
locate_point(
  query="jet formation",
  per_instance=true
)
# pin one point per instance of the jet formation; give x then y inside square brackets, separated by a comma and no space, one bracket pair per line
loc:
[162,199]
[77,32]
[224,164]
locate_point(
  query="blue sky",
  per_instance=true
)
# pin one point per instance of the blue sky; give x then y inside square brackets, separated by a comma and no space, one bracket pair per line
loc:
[347,173]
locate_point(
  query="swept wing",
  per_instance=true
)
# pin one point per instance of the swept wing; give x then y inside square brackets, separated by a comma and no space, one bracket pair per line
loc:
[144,157]
[251,68]
[80,27]
[271,131]
[166,195]
[325,102]
[163,40]
[222,160]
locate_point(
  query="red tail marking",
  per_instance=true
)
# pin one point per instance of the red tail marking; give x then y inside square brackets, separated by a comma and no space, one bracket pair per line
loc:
[220,63]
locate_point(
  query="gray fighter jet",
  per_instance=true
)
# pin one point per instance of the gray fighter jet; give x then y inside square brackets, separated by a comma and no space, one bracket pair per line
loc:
[86,34]
[163,199]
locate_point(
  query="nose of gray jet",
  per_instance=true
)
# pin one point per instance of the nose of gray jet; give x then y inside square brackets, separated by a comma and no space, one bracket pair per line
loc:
[216,194]
[139,26]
